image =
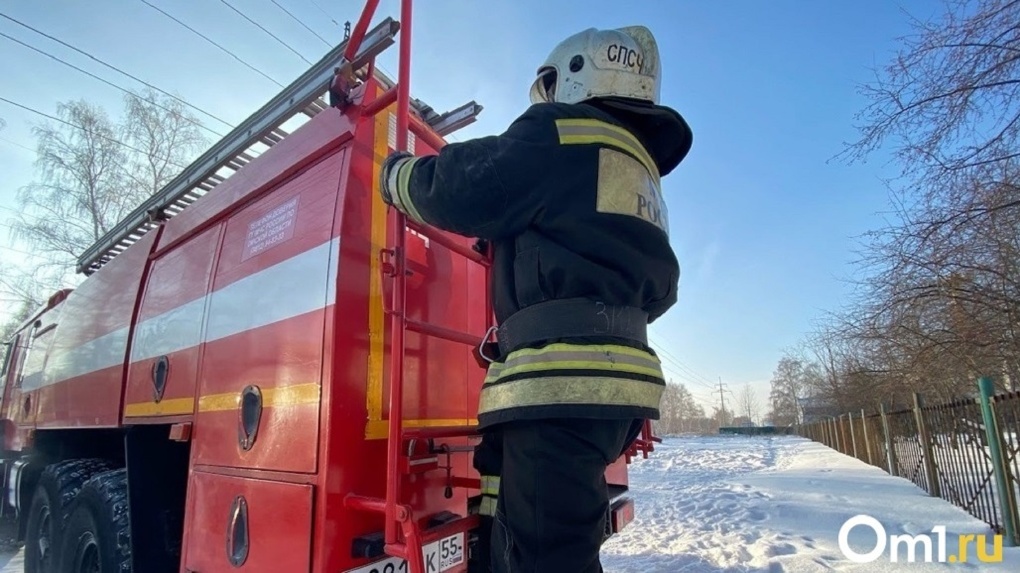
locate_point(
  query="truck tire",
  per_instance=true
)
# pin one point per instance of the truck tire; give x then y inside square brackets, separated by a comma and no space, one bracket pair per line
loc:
[56,489]
[97,536]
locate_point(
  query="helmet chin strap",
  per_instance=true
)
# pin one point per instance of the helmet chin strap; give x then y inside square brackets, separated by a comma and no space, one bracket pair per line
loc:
[544,87]
[549,86]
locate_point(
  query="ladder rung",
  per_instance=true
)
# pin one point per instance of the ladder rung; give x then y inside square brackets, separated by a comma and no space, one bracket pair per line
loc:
[465,482]
[446,241]
[365,503]
[424,133]
[440,432]
[380,103]
[429,329]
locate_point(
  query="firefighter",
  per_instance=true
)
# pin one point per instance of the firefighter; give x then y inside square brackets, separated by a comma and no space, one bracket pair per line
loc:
[569,197]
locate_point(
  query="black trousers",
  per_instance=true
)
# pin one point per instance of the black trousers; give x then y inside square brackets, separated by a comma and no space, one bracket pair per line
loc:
[553,501]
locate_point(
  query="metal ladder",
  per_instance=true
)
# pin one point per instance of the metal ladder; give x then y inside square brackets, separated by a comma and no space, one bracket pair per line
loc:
[269,125]
[397,514]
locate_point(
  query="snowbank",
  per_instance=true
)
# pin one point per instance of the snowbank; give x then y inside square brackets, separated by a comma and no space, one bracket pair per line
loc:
[776,504]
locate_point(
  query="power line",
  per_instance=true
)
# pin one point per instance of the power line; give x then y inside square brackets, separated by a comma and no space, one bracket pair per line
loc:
[54,118]
[377,64]
[259,26]
[680,364]
[109,83]
[207,39]
[669,355]
[298,20]
[118,70]
[314,3]
[19,145]
[686,377]
[682,371]
[20,252]
[689,376]
[337,24]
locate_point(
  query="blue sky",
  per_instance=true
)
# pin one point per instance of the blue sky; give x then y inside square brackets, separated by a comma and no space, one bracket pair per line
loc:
[762,221]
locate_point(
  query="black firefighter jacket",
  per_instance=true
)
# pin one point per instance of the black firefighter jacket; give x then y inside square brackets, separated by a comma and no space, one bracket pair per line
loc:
[570,198]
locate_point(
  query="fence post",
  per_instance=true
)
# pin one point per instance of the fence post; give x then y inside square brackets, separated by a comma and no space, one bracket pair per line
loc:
[867,440]
[837,430]
[926,446]
[889,452]
[837,427]
[842,436]
[1007,500]
[853,437]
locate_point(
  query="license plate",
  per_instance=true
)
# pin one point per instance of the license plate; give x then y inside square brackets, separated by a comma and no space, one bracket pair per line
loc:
[439,556]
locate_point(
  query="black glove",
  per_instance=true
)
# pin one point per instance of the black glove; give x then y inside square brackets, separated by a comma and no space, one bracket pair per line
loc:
[388,175]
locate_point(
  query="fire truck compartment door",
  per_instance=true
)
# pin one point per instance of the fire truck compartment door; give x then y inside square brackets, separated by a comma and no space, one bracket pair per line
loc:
[261,372]
[247,525]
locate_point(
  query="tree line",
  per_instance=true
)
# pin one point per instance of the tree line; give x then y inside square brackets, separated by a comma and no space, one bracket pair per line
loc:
[680,413]
[937,290]
[91,170]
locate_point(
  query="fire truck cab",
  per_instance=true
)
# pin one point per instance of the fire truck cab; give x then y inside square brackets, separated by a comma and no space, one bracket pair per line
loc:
[265,369]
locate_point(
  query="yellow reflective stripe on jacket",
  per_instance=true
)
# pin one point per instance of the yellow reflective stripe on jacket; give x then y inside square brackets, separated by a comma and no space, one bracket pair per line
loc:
[561,356]
[588,131]
[402,194]
[561,390]
[490,485]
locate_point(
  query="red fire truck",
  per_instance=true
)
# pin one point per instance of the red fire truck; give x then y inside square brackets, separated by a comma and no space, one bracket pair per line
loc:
[265,369]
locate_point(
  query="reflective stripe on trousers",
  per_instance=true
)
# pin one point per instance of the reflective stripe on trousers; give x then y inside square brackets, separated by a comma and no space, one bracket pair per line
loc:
[490,494]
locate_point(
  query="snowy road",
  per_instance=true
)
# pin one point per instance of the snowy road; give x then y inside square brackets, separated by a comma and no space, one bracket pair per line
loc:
[728,504]
[760,504]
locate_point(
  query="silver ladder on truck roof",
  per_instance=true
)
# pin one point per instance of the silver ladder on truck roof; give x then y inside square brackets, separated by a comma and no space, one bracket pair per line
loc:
[302,99]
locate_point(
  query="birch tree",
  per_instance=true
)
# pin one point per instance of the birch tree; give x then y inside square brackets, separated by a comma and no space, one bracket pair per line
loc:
[92,171]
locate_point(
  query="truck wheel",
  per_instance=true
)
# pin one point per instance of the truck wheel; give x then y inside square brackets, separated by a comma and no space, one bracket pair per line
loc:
[97,537]
[57,487]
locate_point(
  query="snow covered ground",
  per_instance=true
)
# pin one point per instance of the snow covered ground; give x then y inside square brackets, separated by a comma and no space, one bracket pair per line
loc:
[13,563]
[776,504]
[729,504]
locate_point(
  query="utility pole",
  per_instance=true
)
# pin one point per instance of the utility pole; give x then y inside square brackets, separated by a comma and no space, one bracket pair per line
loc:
[722,400]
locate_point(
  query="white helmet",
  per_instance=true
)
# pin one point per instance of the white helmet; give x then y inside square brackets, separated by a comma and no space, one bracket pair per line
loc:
[601,63]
